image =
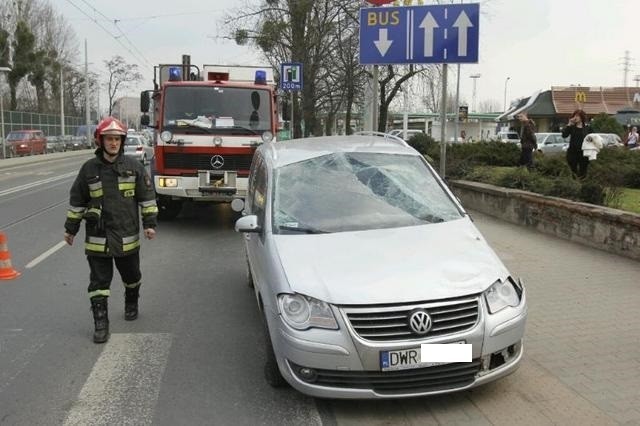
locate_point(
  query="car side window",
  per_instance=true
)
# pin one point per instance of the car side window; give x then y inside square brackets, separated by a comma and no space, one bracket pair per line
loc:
[255,164]
[259,200]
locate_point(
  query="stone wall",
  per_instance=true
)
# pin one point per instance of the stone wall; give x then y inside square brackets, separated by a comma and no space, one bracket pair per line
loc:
[604,228]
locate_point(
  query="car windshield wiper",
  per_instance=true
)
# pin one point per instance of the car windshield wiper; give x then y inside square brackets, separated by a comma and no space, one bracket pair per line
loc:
[431,218]
[245,129]
[302,229]
[190,127]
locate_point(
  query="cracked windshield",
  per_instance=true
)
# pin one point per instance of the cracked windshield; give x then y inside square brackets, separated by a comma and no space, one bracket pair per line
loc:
[355,191]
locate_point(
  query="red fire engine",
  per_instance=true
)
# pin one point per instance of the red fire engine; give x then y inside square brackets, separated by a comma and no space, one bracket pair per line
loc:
[207,126]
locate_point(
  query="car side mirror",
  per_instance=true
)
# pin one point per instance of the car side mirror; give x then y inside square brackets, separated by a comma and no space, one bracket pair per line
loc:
[144,101]
[248,224]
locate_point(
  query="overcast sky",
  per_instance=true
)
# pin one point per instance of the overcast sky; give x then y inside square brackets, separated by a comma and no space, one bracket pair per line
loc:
[537,43]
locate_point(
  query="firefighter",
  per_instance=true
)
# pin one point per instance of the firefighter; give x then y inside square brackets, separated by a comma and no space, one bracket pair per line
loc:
[108,193]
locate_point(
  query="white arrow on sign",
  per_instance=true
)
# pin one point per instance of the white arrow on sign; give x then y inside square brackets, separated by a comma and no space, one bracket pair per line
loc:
[429,23]
[383,43]
[463,23]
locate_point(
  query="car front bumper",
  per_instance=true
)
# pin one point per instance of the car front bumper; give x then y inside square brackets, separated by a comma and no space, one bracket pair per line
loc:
[345,366]
[199,188]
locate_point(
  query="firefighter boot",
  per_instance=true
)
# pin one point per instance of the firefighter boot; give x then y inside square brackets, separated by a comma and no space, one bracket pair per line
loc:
[100,318]
[131,303]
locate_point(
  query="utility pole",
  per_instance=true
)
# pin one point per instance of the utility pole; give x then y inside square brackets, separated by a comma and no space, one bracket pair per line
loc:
[443,122]
[475,78]
[626,67]
[87,114]
[61,103]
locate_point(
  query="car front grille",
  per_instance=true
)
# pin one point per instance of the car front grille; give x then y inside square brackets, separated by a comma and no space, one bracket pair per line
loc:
[413,381]
[391,323]
[175,160]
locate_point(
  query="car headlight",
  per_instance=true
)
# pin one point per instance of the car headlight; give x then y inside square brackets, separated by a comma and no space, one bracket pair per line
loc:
[267,136]
[166,136]
[304,312]
[502,294]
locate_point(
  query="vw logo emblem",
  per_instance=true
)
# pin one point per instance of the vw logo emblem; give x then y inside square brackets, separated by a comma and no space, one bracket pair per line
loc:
[217,161]
[420,322]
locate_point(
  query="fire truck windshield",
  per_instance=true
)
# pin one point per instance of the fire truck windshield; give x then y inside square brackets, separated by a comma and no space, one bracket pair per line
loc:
[226,110]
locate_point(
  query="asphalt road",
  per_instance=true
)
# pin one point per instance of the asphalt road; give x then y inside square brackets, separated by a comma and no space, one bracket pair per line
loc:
[195,354]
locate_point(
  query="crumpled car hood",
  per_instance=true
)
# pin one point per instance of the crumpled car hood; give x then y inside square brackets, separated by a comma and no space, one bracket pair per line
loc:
[397,265]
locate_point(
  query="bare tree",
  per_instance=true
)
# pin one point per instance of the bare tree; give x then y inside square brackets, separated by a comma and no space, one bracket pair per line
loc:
[121,75]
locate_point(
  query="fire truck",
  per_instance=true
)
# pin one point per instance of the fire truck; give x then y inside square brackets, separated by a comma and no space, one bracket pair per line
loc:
[208,123]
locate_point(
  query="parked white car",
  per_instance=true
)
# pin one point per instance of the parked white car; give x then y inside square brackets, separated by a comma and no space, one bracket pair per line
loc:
[362,262]
[138,147]
[511,137]
[410,133]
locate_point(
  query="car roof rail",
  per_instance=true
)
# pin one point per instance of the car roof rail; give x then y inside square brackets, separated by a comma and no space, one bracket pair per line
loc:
[393,138]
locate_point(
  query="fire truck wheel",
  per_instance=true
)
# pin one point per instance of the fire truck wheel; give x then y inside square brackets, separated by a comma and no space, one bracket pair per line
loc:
[168,209]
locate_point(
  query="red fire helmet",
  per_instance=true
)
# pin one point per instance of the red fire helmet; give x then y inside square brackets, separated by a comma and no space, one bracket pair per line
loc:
[109,126]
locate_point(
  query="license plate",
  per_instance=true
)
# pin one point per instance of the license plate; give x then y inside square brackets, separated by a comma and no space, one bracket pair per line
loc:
[405,359]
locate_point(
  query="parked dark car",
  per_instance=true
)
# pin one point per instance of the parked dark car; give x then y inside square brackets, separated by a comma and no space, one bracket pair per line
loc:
[55,144]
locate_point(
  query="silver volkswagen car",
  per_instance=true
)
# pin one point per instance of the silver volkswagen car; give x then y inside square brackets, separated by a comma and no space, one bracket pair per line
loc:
[365,265]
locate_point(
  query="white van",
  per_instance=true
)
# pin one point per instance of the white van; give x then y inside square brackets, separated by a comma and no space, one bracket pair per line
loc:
[512,137]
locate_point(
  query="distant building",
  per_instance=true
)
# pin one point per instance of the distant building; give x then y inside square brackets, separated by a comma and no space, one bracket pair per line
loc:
[127,110]
[551,109]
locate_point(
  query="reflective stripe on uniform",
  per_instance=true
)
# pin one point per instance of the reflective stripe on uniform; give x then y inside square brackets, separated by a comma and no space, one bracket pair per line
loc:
[132,285]
[75,212]
[126,185]
[74,215]
[130,243]
[95,293]
[148,207]
[97,244]
[149,210]
[95,190]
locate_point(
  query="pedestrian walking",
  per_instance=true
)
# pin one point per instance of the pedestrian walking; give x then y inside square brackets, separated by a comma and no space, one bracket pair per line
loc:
[633,139]
[528,141]
[576,130]
[109,193]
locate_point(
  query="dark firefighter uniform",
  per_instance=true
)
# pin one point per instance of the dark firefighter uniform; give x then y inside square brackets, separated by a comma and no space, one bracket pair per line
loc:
[110,198]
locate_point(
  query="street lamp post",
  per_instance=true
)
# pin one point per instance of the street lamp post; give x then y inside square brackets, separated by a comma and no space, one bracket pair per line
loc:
[4,144]
[475,78]
[504,109]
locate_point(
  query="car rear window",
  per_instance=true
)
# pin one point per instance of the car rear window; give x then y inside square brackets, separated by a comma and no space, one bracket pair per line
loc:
[17,136]
[132,141]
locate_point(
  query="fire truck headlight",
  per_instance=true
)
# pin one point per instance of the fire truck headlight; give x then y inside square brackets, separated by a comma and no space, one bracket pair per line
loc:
[267,136]
[168,182]
[166,136]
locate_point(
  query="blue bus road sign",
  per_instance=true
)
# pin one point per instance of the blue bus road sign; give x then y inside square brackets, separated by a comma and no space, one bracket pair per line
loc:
[420,34]
[291,76]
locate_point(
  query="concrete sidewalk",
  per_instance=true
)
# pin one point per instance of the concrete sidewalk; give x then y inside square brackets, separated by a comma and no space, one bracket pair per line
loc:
[33,159]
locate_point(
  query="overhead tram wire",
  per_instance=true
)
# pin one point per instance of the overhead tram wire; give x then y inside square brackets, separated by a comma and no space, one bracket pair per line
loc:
[115,24]
[106,31]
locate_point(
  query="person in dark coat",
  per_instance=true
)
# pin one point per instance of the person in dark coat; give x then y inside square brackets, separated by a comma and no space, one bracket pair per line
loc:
[528,141]
[576,130]
[110,193]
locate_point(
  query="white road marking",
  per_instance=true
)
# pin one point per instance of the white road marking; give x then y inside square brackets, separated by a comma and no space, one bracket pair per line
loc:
[124,384]
[44,255]
[37,183]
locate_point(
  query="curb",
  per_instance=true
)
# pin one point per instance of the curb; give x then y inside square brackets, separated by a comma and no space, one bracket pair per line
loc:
[33,159]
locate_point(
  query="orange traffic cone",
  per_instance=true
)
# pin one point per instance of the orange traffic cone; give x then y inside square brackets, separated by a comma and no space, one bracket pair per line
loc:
[6,270]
